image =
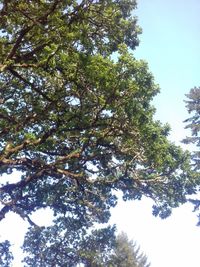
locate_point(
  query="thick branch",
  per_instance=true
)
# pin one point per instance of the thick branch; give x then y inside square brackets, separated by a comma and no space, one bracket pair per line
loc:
[9,150]
[30,54]
[4,211]
[36,89]
[18,42]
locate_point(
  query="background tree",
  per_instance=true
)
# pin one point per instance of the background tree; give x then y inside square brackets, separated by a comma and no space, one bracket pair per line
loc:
[193,123]
[127,254]
[75,120]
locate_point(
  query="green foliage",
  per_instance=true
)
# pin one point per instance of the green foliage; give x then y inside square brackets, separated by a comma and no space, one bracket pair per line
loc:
[67,243]
[193,123]
[76,121]
[127,254]
[6,256]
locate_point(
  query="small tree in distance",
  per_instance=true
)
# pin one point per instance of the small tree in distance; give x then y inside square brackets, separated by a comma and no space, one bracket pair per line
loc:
[193,123]
[126,253]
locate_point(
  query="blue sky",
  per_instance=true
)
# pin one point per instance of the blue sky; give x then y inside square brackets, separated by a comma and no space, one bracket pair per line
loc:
[170,43]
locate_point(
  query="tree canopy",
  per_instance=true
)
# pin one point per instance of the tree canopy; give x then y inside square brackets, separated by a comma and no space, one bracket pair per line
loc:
[76,119]
[67,243]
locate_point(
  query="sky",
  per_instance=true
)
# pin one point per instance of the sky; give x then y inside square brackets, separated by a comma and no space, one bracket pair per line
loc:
[170,44]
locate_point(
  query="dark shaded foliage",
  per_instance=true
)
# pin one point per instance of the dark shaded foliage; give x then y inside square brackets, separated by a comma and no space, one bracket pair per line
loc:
[6,256]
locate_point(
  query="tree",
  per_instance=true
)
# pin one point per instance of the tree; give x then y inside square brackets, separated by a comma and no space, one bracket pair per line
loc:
[193,123]
[76,119]
[122,252]
[127,254]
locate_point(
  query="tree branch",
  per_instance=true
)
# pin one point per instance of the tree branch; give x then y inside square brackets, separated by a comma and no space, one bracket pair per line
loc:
[18,42]
[36,89]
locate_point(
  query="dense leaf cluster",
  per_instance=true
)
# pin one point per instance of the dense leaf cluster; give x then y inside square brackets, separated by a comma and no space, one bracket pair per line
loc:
[6,256]
[74,246]
[68,243]
[75,114]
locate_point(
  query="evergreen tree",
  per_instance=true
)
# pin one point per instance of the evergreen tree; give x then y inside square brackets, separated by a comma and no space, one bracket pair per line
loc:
[193,123]
[127,254]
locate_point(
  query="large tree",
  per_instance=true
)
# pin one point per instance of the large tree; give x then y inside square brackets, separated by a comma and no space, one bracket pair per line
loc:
[76,119]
